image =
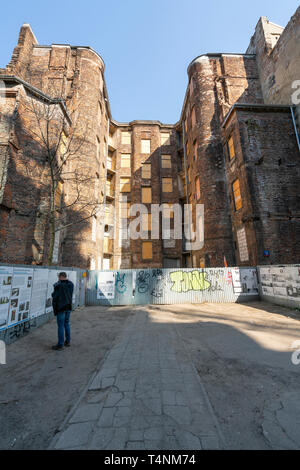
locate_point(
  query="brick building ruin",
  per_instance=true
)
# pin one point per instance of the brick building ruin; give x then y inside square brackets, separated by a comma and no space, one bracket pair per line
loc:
[235,149]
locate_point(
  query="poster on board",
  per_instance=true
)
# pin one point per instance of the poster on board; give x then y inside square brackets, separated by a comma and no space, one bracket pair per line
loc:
[72,276]
[39,292]
[244,281]
[106,286]
[52,279]
[6,275]
[20,297]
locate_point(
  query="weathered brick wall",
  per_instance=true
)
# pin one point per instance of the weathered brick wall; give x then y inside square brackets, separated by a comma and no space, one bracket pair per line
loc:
[267,166]
[26,191]
[278,63]
[130,255]
[76,75]
[216,83]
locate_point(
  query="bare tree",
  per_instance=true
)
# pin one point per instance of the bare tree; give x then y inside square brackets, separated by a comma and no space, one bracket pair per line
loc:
[60,138]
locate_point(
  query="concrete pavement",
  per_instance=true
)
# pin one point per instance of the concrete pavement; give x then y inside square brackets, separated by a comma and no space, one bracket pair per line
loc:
[147,395]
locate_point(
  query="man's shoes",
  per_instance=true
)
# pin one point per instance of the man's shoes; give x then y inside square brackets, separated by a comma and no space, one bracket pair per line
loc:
[67,344]
[57,347]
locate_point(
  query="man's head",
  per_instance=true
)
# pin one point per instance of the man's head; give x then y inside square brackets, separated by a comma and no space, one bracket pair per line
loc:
[62,276]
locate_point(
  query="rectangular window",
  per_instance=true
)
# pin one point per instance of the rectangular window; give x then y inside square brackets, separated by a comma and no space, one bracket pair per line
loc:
[187,149]
[147,250]
[231,149]
[237,195]
[108,188]
[146,170]
[165,138]
[63,144]
[189,174]
[146,195]
[126,138]
[125,185]
[198,188]
[166,161]
[167,185]
[125,160]
[145,146]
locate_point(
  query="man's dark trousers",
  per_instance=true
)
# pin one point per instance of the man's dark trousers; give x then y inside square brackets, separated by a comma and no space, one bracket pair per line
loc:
[63,323]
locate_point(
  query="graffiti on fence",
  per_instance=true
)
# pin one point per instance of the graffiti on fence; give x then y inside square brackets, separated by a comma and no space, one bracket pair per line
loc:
[121,286]
[143,284]
[21,328]
[184,281]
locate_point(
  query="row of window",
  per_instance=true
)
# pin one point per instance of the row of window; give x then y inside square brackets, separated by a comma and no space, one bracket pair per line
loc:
[167,213]
[165,139]
[167,187]
[146,167]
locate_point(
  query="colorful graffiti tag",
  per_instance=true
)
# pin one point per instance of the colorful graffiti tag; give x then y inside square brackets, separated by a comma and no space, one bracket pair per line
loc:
[184,281]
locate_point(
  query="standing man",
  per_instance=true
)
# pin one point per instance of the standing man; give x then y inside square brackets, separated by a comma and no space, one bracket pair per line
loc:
[62,307]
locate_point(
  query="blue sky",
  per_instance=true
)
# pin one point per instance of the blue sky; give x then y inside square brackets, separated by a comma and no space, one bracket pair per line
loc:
[146,44]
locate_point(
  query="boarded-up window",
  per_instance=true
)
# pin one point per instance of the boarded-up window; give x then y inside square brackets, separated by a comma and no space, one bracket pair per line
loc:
[166,161]
[147,250]
[146,195]
[126,138]
[125,160]
[237,195]
[167,185]
[109,188]
[63,143]
[146,170]
[125,185]
[165,138]
[231,149]
[145,146]
[57,196]
[189,174]
[187,148]
[193,117]
[198,188]
[146,222]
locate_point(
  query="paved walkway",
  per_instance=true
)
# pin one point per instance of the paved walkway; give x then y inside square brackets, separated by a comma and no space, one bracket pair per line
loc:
[147,395]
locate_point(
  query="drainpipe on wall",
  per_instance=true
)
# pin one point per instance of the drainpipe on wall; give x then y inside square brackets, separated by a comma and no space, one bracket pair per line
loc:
[186,185]
[104,196]
[295,127]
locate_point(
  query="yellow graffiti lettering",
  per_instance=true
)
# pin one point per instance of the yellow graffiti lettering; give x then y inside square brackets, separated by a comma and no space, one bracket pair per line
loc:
[184,281]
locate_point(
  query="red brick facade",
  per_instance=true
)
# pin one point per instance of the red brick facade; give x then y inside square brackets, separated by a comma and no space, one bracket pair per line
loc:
[234,150]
